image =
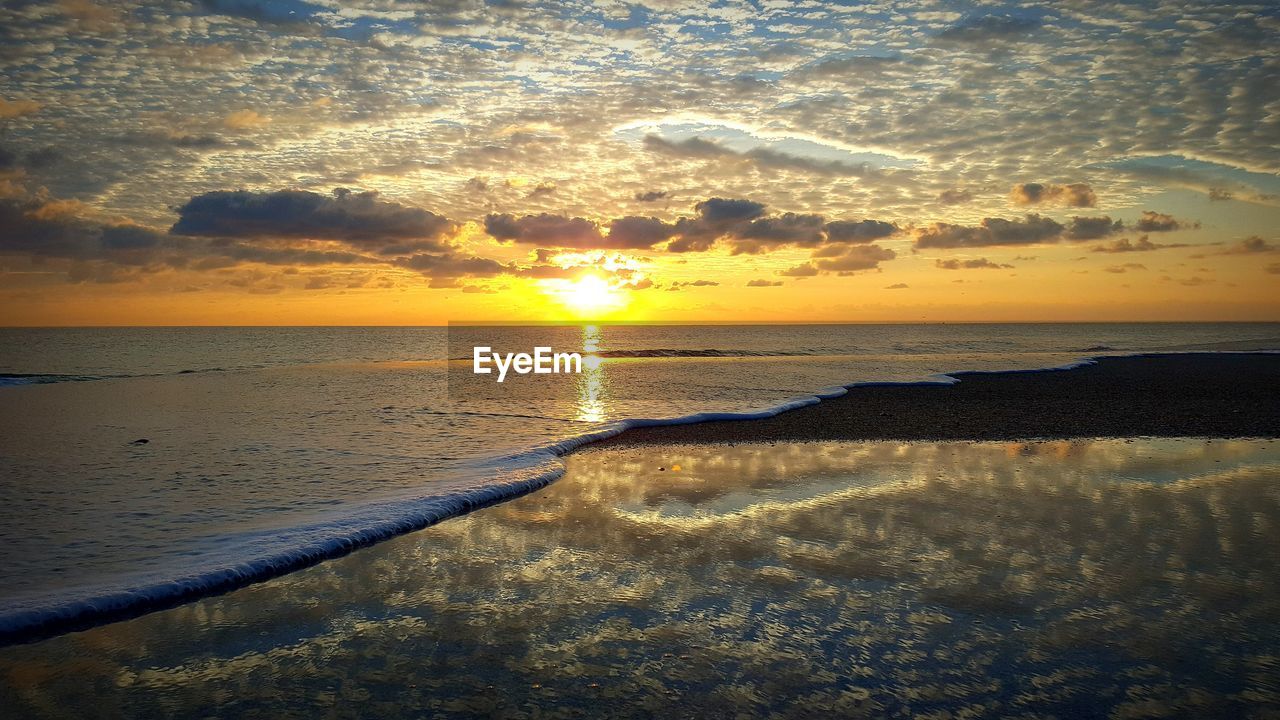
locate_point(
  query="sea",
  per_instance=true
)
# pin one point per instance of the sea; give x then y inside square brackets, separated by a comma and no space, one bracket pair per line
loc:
[144,467]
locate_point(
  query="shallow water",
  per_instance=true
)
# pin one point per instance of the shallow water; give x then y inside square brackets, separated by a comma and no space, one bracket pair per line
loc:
[267,446]
[1076,579]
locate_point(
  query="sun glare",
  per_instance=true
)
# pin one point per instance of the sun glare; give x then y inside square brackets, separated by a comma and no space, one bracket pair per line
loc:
[591,295]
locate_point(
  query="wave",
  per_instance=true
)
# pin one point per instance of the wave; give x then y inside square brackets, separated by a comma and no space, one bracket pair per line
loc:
[709,352]
[33,617]
[15,379]
[687,353]
[10,379]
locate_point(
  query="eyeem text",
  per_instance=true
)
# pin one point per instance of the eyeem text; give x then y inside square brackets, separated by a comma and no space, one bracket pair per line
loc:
[541,362]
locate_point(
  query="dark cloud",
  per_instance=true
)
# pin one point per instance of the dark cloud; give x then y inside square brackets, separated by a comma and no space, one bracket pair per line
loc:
[1142,244]
[748,231]
[896,286]
[721,212]
[1121,269]
[161,139]
[716,217]
[954,197]
[971,264]
[987,28]
[862,231]
[360,219]
[1249,246]
[765,234]
[1217,194]
[1092,228]
[992,231]
[638,232]
[764,283]
[11,160]
[761,157]
[695,283]
[802,270]
[544,229]
[1071,195]
[294,16]
[1160,222]
[56,229]
[652,196]
[443,269]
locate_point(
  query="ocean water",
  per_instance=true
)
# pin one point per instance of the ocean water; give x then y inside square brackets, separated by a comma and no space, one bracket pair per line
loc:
[1069,579]
[270,448]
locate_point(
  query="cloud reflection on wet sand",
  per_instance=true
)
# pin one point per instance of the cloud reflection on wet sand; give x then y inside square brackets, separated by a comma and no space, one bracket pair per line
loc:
[1072,578]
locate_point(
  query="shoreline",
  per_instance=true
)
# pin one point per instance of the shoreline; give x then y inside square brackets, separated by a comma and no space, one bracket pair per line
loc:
[1218,394]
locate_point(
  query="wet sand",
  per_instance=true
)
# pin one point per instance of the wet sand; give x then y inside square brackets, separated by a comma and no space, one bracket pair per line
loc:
[1185,395]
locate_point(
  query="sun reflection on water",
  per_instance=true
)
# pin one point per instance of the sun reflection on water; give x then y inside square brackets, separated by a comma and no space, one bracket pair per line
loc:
[590,383]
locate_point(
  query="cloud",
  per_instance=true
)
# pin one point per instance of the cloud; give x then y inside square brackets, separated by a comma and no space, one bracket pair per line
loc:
[896,286]
[1071,195]
[652,196]
[18,108]
[1143,244]
[1120,269]
[973,264]
[542,189]
[715,218]
[1249,246]
[58,229]
[721,212]
[954,197]
[359,219]
[851,65]
[855,258]
[1160,222]
[802,270]
[1273,269]
[992,231]
[544,229]
[1092,228]
[692,283]
[244,120]
[764,283]
[787,229]
[988,28]
[862,231]
[638,232]
[761,157]
[1031,230]
[443,269]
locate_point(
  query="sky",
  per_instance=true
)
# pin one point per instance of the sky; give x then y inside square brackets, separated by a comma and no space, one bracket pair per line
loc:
[235,162]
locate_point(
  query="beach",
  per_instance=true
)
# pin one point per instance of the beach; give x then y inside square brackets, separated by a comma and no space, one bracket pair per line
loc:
[999,559]
[1078,539]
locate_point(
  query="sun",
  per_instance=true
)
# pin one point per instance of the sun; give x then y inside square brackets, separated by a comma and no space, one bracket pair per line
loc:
[591,295]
